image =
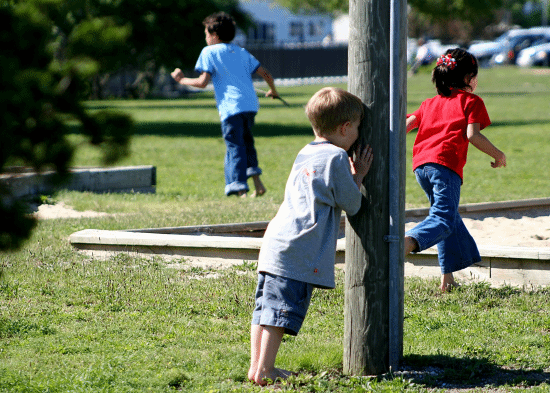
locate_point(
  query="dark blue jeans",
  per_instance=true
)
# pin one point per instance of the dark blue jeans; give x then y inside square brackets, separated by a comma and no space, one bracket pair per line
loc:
[456,248]
[241,160]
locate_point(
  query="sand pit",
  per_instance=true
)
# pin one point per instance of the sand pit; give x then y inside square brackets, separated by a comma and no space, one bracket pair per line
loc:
[523,228]
[528,227]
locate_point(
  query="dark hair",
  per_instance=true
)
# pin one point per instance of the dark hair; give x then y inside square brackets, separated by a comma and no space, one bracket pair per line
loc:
[222,24]
[452,69]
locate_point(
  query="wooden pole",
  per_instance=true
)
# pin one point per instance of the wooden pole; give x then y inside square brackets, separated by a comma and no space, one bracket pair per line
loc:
[367,282]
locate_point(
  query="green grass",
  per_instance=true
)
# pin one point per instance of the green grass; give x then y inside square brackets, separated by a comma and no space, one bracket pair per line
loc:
[182,139]
[69,323]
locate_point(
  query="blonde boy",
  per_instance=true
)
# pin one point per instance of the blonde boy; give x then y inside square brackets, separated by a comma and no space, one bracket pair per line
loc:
[299,244]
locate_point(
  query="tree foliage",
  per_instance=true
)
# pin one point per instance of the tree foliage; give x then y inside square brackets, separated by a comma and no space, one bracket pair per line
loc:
[160,33]
[52,52]
[324,6]
[456,9]
[170,32]
[44,74]
[458,21]
[438,9]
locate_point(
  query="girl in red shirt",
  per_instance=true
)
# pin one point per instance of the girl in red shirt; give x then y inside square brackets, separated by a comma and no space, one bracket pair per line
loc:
[446,124]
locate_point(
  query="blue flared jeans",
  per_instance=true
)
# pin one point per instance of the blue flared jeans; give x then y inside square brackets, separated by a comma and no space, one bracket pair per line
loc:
[241,160]
[456,248]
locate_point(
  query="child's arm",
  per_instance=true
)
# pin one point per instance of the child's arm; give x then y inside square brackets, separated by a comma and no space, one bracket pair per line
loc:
[482,143]
[411,123]
[266,76]
[201,82]
[360,166]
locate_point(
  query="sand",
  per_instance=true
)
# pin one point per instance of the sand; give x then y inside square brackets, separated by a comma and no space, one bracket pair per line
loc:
[525,227]
[60,210]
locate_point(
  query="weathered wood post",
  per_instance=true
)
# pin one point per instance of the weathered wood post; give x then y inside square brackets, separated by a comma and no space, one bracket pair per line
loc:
[373,329]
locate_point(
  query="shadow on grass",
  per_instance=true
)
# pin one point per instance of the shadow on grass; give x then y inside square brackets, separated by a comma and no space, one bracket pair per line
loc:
[266,104]
[439,371]
[519,123]
[205,101]
[208,130]
[513,93]
[509,123]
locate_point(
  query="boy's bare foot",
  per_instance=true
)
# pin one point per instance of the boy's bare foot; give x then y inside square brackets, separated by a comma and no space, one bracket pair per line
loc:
[257,194]
[267,378]
[251,374]
[259,186]
[241,194]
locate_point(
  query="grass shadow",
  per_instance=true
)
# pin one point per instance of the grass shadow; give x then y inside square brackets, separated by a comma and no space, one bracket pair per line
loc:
[513,93]
[207,130]
[519,123]
[510,123]
[440,371]
[210,130]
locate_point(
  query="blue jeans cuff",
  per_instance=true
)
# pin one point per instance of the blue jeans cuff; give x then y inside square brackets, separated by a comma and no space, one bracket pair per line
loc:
[235,188]
[253,171]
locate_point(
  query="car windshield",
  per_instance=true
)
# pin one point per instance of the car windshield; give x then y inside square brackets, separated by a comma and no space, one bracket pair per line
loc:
[503,38]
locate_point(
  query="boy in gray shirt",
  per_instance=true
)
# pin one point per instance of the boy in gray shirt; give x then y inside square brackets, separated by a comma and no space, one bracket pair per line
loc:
[299,245]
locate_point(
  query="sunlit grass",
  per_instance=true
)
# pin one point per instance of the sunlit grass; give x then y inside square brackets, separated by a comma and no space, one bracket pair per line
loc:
[70,323]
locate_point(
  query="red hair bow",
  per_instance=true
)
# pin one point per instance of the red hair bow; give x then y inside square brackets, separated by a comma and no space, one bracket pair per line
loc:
[447,60]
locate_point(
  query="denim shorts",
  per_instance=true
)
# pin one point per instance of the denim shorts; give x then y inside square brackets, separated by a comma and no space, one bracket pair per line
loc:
[281,302]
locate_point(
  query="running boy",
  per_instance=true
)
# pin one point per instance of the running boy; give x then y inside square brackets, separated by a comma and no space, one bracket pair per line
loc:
[299,245]
[230,68]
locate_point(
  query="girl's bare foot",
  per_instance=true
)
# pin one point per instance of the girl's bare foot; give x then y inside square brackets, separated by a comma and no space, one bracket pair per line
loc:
[241,194]
[259,186]
[448,283]
[410,245]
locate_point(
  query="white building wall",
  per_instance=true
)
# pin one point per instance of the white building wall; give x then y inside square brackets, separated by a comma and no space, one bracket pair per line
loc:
[286,24]
[340,29]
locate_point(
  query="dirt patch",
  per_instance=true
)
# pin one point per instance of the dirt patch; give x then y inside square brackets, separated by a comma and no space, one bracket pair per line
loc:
[60,210]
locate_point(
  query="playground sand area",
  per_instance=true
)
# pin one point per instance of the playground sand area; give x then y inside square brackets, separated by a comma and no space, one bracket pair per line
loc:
[522,227]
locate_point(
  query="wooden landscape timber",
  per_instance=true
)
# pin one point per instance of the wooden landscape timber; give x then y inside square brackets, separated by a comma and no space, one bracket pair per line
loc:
[25,182]
[224,245]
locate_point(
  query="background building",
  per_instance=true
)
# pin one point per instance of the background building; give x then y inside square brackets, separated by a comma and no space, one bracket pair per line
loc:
[279,26]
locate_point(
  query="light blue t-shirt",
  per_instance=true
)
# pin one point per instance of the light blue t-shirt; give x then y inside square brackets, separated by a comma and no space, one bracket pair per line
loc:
[231,68]
[300,241]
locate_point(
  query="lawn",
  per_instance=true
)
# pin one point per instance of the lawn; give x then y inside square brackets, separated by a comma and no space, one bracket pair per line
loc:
[69,323]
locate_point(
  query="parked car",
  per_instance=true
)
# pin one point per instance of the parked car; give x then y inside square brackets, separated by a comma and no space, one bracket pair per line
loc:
[516,44]
[505,48]
[538,55]
[424,52]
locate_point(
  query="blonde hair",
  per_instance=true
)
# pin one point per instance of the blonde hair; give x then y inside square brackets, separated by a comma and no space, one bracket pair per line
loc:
[331,107]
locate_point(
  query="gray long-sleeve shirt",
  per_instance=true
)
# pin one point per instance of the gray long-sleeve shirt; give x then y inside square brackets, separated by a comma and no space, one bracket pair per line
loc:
[300,242]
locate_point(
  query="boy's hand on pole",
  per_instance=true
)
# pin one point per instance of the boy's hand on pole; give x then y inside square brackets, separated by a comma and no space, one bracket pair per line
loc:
[360,165]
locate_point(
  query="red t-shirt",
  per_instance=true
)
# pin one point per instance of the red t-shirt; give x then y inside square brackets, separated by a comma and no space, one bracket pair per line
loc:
[442,123]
